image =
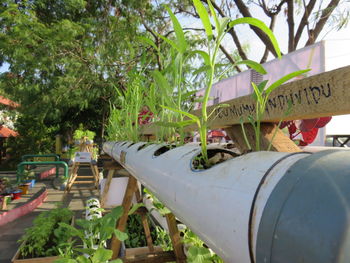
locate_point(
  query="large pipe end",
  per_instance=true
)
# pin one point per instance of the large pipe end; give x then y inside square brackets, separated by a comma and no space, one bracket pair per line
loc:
[307,216]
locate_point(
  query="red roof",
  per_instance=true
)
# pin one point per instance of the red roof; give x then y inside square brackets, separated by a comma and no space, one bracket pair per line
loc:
[8,102]
[6,132]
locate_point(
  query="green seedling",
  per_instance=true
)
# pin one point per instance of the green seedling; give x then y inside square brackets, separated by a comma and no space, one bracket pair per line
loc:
[261,95]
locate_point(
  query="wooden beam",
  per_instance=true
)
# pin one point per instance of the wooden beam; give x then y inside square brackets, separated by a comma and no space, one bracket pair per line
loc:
[136,251]
[280,143]
[156,257]
[175,238]
[325,94]
[127,201]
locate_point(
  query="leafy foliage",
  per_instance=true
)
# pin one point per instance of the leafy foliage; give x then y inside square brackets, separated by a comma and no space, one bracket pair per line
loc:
[45,236]
[93,234]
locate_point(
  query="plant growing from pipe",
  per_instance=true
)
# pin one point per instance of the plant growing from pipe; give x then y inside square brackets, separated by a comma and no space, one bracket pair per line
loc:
[210,57]
[172,82]
[261,95]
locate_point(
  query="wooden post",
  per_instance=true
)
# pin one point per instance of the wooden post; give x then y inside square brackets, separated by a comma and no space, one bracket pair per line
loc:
[127,201]
[280,143]
[106,188]
[175,238]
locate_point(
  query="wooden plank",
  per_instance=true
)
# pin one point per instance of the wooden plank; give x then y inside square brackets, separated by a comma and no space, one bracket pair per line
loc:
[157,257]
[281,143]
[135,251]
[127,201]
[175,238]
[325,94]
[147,232]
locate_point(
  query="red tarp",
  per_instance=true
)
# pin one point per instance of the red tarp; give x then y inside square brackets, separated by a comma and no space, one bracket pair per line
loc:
[6,132]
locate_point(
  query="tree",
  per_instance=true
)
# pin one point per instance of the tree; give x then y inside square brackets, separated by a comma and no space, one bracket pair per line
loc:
[66,57]
[302,19]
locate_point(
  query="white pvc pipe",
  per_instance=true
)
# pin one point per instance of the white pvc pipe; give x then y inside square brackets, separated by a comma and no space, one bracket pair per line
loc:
[147,200]
[215,203]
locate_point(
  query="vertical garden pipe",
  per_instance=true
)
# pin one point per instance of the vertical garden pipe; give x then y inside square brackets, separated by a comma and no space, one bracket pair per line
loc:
[258,207]
[20,167]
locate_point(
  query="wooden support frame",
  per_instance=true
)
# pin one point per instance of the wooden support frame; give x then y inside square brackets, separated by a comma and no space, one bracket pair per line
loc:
[280,142]
[150,253]
[73,175]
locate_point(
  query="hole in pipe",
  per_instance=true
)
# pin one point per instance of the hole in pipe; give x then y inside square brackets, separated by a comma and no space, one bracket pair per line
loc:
[142,146]
[164,149]
[215,157]
[131,145]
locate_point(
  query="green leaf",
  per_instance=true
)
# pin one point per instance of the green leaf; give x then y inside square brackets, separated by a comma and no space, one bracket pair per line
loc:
[189,115]
[204,55]
[261,25]
[213,13]
[204,16]
[262,85]
[65,260]
[135,207]
[120,235]
[189,94]
[223,27]
[254,65]
[257,93]
[218,107]
[116,261]
[178,31]
[102,255]
[116,212]
[170,42]
[161,81]
[147,41]
[82,259]
[202,69]
[284,79]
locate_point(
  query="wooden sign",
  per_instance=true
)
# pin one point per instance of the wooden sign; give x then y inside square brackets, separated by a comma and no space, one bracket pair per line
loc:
[325,94]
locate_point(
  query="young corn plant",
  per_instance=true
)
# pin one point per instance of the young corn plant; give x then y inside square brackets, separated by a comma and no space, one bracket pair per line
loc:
[261,95]
[214,39]
[123,121]
[172,83]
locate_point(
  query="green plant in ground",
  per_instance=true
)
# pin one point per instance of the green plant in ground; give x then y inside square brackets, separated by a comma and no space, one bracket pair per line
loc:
[214,39]
[93,235]
[43,238]
[197,252]
[261,95]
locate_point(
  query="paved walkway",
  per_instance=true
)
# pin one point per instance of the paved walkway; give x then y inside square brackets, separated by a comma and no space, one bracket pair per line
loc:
[75,200]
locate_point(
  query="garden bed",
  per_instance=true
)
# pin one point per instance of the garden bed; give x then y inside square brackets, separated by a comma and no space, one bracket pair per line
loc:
[32,234]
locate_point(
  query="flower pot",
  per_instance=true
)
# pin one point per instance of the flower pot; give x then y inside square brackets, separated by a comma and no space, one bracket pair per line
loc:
[25,188]
[16,195]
